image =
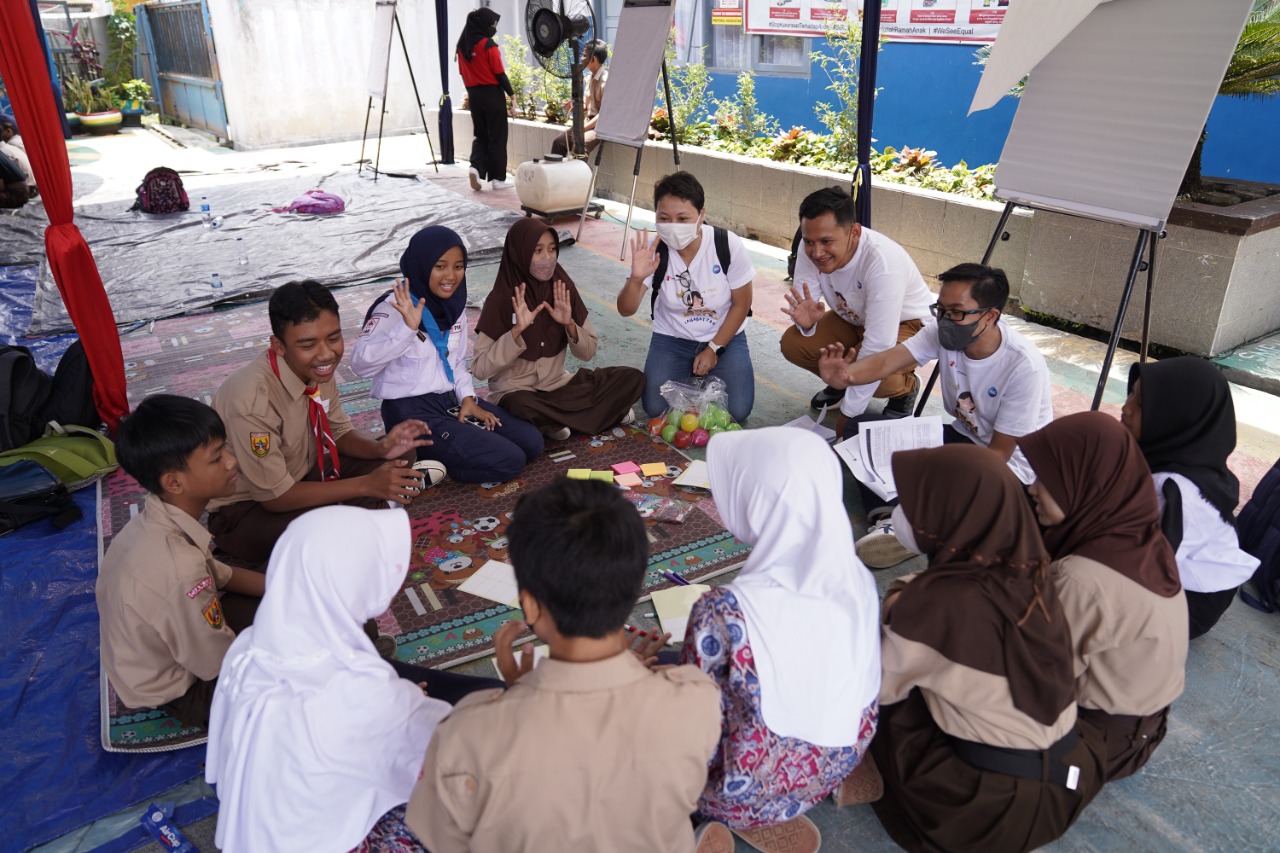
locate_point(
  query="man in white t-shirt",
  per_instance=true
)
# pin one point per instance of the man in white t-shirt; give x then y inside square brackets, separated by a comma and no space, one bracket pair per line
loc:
[995,383]
[876,294]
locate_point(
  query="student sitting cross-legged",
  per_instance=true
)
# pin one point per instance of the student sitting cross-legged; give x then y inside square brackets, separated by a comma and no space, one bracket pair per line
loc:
[793,641]
[314,740]
[168,609]
[414,348]
[590,750]
[700,301]
[296,446]
[1180,412]
[531,320]
[1117,579]
[978,741]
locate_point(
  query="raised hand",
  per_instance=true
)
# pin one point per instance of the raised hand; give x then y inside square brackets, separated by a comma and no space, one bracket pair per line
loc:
[644,255]
[405,436]
[523,314]
[504,649]
[562,307]
[409,307]
[802,307]
[833,365]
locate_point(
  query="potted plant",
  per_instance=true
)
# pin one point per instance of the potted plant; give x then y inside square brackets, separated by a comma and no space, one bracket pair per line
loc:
[134,94]
[98,108]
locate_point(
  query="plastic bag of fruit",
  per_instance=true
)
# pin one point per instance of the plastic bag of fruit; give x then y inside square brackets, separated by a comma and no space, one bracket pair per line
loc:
[697,412]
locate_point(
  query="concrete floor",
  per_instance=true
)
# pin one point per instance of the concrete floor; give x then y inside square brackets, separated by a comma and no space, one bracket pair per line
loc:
[1212,786]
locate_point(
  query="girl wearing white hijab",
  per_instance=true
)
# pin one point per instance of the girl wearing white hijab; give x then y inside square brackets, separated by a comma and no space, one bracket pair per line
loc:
[793,641]
[313,738]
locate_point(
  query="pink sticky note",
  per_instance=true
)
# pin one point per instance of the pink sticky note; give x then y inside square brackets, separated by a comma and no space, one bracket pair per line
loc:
[626,468]
[628,480]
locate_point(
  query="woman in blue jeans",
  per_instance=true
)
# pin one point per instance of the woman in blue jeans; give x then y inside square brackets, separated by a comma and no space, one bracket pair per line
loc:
[701,305]
[414,348]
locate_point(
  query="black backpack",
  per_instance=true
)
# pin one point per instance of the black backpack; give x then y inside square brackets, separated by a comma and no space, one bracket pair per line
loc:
[24,393]
[721,237]
[161,191]
[29,492]
[72,400]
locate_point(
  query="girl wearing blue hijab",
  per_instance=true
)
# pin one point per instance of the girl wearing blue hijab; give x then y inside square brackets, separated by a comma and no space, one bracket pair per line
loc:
[414,347]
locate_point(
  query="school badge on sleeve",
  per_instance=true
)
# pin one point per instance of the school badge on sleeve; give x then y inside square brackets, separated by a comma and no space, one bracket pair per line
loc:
[213,613]
[260,443]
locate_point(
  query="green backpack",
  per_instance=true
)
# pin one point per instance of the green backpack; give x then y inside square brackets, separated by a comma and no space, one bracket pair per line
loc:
[78,456]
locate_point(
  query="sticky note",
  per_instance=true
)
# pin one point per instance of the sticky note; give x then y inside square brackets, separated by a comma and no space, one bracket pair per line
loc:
[628,480]
[578,473]
[602,476]
[674,606]
[626,468]
[654,469]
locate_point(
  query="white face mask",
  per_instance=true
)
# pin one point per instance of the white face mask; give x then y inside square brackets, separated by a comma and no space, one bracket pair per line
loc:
[902,530]
[677,235]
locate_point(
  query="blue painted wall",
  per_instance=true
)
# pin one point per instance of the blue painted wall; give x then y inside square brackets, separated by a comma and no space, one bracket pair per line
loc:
[926,90]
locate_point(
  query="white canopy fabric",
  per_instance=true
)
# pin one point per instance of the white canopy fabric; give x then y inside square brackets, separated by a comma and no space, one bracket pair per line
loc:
[1117,95]
[634,66]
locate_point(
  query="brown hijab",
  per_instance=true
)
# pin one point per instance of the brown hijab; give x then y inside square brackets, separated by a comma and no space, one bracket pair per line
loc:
[985,601]
[545,338]
[1092,467]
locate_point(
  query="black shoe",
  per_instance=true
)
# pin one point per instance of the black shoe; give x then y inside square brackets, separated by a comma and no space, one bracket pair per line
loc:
[902,407]
[826,397]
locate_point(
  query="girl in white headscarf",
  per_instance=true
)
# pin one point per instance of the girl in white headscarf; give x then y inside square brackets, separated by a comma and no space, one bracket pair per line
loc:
[793,641]
[313,738]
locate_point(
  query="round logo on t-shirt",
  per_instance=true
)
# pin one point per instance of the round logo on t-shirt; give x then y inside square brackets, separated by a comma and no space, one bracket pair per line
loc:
[991,392]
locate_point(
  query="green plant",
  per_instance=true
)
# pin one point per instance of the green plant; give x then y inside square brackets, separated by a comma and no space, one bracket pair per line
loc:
[739,121]
[522,74]
[844,39]
[556,92]
[135,90]
[122,43]
[84,97]
[689,84]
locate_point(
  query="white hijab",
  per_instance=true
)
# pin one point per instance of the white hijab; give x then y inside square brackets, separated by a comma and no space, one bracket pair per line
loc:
[312,736]
[810,605]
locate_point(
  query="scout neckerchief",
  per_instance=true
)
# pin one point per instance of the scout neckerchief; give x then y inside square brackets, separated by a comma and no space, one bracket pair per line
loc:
[439,339]
[326,447]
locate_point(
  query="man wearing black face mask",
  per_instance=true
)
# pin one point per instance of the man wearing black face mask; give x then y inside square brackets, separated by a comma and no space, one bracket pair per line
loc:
[995,383]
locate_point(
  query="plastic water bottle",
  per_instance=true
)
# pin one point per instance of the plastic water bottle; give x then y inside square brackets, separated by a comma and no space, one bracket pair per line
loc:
[215,223]
[242,251]
[205,215]
[216,281]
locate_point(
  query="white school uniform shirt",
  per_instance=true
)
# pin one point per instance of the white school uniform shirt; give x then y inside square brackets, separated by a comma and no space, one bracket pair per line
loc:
[1008,391]
[693,307]
[402,365]
[878,289]
[1210,558]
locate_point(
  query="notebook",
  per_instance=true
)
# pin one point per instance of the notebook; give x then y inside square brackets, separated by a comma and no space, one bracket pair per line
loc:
[674,605]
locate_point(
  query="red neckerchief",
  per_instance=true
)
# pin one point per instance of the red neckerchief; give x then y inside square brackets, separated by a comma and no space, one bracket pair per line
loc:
[319,427]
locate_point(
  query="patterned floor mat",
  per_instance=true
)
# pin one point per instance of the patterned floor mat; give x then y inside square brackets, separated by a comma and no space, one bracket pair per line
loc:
[457,527]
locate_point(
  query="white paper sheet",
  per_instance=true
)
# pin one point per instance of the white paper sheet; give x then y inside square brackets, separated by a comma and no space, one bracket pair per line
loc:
[696,476]
[814,426]
[868,454]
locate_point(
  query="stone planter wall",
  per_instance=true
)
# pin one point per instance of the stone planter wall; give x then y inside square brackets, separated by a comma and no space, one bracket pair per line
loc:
[1216,273]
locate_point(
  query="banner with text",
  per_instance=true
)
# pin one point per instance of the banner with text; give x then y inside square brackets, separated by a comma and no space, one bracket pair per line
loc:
[956,21]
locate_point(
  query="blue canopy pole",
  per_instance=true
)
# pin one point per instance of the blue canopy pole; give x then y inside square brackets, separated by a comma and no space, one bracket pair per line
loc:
[866,104]
[446,105]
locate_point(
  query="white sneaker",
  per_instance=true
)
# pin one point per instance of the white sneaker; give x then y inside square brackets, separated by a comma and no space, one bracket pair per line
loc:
[501,185]
[629,418]
[558,434]
[473,174]
[880,549]
[433,472]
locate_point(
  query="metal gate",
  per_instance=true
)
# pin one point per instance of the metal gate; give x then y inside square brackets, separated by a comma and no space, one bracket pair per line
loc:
[176,56]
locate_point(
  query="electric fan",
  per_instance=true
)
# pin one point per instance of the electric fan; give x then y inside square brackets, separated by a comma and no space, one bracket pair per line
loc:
[557,31]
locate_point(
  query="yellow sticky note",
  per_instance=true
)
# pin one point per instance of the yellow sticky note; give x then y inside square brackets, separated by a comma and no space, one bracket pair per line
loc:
[578,473]
[602,476]
[654,469]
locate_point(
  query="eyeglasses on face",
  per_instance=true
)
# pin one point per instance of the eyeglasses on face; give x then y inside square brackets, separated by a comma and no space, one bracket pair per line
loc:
[955,315]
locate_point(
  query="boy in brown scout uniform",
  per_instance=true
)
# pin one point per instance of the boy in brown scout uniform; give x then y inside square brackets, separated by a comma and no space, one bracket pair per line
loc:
[164,627]
[296,446]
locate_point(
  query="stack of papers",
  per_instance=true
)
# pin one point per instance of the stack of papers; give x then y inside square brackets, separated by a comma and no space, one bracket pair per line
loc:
[868,454]
[674,605]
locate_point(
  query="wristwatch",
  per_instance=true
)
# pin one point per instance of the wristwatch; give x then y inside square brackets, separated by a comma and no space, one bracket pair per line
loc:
[719,351]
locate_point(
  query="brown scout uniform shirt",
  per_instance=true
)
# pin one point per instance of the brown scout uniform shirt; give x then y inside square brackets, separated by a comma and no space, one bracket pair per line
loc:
[500,362]
[1130,643]
[575,756]
[160,619]
[269,428]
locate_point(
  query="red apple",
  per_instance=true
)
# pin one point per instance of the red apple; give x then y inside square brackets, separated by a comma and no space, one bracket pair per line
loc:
[683,439]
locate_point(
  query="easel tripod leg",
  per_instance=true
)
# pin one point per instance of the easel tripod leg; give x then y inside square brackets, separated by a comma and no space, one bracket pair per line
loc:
[1139,250]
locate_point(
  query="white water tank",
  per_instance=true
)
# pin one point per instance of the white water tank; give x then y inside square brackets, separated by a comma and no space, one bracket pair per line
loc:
[552,186]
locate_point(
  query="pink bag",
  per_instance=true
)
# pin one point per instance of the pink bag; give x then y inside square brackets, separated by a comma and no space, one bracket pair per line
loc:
[314,201]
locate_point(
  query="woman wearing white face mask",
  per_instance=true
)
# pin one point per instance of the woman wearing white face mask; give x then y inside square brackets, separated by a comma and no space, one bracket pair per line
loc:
[701,303]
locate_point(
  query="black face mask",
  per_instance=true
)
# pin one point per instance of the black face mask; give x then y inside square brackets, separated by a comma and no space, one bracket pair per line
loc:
[492,31]
[955,337]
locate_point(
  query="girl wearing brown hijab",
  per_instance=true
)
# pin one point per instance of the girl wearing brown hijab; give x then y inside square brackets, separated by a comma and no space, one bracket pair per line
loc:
[531,319]
[1117,579]
[978,742]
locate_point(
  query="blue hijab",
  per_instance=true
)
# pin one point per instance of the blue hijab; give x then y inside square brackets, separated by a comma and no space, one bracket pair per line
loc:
[425,249]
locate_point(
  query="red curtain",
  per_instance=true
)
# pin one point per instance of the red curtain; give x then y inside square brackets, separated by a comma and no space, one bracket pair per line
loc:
[26,78]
